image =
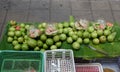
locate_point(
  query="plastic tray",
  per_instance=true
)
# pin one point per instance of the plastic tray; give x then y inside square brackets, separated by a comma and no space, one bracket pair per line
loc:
[89,67]
[21,61]
[59,61]
[110,63]
[107,63]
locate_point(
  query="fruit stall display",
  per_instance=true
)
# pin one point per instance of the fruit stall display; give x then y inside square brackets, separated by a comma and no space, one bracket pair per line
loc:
[87,39]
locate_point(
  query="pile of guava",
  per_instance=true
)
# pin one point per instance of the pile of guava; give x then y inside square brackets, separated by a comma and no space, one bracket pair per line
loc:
[47,36]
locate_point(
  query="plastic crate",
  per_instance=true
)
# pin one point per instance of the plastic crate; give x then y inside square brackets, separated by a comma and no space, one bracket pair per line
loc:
[112,64]
[21,61]
[59,61]
[89,67]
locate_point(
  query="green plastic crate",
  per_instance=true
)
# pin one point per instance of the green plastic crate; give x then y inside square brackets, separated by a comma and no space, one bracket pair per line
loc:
[21,61]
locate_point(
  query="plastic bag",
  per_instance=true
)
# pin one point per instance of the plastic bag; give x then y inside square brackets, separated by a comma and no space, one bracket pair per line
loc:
[50,30]
[33,32]
[100,24]
[82,24]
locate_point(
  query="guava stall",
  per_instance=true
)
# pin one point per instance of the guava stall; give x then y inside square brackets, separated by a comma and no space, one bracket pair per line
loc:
[73,35]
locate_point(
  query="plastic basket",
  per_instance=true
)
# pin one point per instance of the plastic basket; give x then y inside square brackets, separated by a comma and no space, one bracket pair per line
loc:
[89,67]
[59,61]
[21,61]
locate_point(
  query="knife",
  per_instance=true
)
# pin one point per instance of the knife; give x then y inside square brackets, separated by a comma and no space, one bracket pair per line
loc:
[100,51]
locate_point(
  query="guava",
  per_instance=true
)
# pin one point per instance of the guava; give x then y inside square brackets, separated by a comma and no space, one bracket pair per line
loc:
[45,46]
[18,33]
[71,33]
[72,24]
[53,47]
[36,49]
[110,38]
[74,37]
[49,41]
[15,37]
[58,44]
[86,40]
[24,47]
[12,22]
[56,38]
[44,25]
[79,40]
[17,47]
[100,32]
[60,25]
[96,41]
[20,39]
[25,42]
[79,33]
[32,42]
[22,29]
[23,33]
[11,29]
[15,42]
[75,32]
[76,45]
[93,34]
[26,37]
[40,26]
[102,39]
[27,26]
[65,24]
[63,37]
[90,29]
[65,30]
[69,40]
[107,32]
[86,34]
[22,25]
[9,39]
[43,37]
[11,33]
[60,30]
[42,29]
[70,29]
[42,50]
[39,43]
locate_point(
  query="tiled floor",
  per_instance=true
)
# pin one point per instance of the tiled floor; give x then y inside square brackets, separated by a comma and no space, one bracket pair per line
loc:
[57,10]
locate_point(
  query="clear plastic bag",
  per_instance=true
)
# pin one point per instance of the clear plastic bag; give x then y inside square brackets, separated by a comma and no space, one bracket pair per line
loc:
[82,24]
[50,29]
[33,32]
[100,24]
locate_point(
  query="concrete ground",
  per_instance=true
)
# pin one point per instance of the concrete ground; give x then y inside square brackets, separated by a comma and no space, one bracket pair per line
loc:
[57,10]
